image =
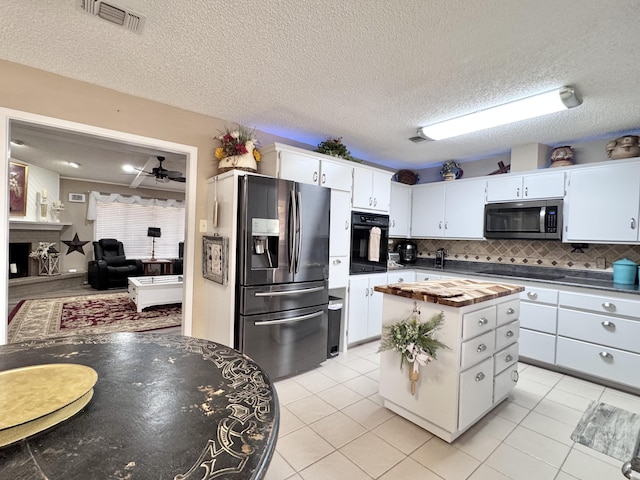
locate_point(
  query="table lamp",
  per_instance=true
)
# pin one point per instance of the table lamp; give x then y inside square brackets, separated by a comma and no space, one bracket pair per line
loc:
[153,232]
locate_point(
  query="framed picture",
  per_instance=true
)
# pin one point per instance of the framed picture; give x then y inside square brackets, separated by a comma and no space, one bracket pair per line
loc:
[215,258]
[77,197]
[17,189]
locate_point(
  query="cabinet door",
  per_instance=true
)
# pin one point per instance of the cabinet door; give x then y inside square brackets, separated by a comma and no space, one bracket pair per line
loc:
[476,393]
[464,209]
[504,188]
[358,308]
[339,272]
[547,185]
[381,190]
[362,182]
[335,176]
[403,276]
[537,346]
[340,224]
[374,325]
[427,211]
[299,168]
[400,210]
[603,204]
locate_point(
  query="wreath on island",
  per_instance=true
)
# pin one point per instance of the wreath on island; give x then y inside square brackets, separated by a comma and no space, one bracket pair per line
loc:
[415,341]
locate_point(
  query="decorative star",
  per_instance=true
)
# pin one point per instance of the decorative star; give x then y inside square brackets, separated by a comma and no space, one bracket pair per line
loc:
[75,245]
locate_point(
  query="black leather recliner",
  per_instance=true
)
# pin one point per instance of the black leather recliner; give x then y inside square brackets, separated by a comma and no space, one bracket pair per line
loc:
[177,263]
[111,269]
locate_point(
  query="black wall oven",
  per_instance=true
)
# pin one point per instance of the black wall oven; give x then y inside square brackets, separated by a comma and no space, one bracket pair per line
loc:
[369,242]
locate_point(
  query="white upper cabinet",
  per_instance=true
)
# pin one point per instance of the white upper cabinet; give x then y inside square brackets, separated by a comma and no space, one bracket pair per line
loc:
[448,210]
[603,204]
[371,189]
[400,210]
[298,165]
[340,224]
[535,186]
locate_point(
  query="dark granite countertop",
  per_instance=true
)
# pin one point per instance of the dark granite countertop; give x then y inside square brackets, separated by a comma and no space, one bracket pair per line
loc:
[553,276]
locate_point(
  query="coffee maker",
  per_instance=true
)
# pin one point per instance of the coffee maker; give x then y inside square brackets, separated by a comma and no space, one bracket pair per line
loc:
[408,251]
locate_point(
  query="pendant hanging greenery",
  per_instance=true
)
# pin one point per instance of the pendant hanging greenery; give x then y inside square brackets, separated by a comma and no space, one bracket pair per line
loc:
[413,339]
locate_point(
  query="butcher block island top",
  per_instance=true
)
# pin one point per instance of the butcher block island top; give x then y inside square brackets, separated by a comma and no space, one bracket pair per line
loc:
[453,292]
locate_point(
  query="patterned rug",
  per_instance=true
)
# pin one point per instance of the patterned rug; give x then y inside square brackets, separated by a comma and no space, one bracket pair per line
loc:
[101,313]
[609,430]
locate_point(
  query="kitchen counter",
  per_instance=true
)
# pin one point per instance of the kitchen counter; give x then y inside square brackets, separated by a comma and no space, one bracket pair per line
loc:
[453,293]
[554,276]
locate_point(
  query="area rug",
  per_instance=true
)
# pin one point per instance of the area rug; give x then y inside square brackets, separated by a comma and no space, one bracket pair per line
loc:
[102,313]
[609,430]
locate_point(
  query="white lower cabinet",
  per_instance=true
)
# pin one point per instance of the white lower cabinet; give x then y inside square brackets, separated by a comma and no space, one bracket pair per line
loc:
[403,276]
[365,307]
[538,324]
[466,381]
[538,346]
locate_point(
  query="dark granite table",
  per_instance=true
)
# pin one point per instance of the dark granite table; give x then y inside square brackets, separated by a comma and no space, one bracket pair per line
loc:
[164,407]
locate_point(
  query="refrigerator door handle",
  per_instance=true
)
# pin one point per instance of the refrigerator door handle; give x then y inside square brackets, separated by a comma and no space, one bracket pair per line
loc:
[288,320]
[299,231]
[288,292]
[292,229]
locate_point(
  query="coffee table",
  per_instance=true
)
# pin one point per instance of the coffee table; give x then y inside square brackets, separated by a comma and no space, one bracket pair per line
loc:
[155,290]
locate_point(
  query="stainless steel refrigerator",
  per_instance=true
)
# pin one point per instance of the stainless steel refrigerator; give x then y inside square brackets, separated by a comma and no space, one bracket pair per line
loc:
[282,270]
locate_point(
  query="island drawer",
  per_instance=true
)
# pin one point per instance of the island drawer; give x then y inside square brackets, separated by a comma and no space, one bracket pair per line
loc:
[538,317]
[507,334]
[605,362]
[601,329]
[476,349]
[508,311]
[600,304]
[505,358]
[539,295]
[477,322]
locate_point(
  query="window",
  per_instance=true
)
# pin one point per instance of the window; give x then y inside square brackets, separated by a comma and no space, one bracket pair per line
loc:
[128,222]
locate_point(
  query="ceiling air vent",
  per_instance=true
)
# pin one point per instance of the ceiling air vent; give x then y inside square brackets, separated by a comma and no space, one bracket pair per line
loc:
[417,139]
[113,13]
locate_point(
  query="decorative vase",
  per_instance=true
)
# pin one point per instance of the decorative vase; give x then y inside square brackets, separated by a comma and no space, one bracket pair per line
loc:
[246,161]
[562,156]
[449,176]
[624,147]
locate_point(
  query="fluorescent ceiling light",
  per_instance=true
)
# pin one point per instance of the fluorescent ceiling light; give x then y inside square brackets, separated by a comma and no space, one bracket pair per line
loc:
[549,102]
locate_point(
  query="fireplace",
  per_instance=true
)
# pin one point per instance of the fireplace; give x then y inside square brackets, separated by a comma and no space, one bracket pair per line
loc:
[19,260]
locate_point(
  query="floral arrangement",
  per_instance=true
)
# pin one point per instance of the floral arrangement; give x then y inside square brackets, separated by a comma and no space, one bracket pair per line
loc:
[415,341]
[237,141]
[451,167]
[43,251]
[335,148]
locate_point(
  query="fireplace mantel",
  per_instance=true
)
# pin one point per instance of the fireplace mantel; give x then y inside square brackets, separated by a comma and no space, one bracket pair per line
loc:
[27,225]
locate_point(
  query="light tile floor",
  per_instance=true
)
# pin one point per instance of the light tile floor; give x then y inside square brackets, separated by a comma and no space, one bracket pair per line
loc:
[333,426]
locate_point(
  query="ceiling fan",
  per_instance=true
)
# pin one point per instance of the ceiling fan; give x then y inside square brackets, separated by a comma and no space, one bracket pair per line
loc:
[163,175]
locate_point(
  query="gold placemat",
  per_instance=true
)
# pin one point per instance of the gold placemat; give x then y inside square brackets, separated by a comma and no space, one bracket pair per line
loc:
[15,434]
[29,393]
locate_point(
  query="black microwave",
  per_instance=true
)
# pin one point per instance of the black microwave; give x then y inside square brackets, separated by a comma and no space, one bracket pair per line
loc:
[529,220]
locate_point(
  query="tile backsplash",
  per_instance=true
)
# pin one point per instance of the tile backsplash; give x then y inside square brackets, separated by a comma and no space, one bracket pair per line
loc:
[543,253]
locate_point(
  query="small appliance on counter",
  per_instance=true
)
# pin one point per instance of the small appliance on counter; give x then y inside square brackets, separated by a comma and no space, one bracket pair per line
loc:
[393,261]
[441,253]
[624,272]
[408,251]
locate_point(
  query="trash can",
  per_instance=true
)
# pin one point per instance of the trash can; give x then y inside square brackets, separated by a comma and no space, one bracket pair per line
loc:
[333,331]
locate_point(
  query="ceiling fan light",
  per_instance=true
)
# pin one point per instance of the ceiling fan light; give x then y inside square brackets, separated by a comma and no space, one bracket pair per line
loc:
[530,107]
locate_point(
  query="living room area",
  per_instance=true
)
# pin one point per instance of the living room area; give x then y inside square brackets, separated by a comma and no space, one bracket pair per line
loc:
[78,235]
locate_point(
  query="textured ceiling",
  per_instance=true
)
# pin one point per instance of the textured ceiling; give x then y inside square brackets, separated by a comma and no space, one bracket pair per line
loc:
[369,71]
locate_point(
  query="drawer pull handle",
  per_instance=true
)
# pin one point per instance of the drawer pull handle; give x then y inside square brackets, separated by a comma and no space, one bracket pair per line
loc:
[532,295]
[401,279]
[509,334]
[608,324]
[608,306]
[606,355]
[508,358]
[510,311]
[482,321]
[481,348]
[479,377]
[337,261]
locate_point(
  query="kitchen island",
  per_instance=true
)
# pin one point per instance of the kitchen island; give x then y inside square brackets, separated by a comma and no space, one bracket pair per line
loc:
[475,373]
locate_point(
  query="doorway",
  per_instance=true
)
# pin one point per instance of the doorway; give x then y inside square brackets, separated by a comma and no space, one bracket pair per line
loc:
[90,133]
